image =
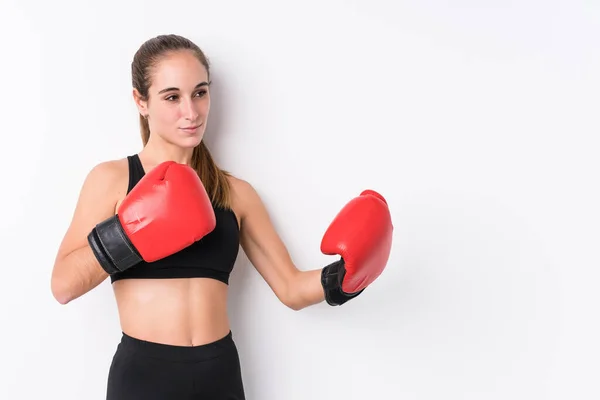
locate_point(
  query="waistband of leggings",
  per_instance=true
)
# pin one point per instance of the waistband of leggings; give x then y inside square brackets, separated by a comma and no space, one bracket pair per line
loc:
[178,353]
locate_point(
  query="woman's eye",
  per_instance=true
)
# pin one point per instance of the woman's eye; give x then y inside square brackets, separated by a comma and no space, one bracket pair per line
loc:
[174,97]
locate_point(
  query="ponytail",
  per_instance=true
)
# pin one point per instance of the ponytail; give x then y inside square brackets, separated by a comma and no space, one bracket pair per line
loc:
[214,179]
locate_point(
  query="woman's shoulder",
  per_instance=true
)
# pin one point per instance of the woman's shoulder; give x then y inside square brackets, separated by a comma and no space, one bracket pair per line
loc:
[110,169]
[240,188]
[244,196]
[110,173]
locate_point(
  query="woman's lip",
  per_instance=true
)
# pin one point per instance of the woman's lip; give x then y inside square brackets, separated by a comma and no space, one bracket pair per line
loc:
[191,129]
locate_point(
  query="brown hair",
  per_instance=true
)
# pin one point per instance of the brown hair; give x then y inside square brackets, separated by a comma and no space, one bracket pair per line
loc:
[214,179]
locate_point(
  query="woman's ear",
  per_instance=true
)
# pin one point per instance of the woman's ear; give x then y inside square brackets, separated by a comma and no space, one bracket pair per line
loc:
[141,104]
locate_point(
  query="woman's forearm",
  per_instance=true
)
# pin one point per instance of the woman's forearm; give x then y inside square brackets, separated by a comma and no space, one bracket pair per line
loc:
[76,274]
[306,289]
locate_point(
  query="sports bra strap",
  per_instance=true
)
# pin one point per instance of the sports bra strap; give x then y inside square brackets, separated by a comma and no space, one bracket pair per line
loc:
[136,171]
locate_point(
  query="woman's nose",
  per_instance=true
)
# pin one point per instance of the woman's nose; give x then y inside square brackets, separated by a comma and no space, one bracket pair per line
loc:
[189,111]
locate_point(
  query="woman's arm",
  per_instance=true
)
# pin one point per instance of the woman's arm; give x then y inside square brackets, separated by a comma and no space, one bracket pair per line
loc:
[268,254]
[76,270]
[307,289]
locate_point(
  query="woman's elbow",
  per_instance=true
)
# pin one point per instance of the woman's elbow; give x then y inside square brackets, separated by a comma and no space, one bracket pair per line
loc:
[60,294]
[60,288]
[294,306]
[294,300]
[304,290]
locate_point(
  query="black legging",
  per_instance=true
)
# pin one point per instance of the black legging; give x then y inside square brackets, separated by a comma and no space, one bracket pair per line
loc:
[154,371]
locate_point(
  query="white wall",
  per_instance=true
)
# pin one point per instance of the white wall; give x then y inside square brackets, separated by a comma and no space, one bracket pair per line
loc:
[478,122]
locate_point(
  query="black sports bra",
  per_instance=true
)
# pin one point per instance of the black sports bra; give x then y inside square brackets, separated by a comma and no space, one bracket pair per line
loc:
[211,257]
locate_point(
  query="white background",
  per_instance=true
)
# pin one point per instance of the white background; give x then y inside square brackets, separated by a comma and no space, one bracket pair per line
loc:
[478,120]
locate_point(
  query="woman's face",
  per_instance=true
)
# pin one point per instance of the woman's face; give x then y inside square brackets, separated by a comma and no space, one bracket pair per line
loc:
[178,99]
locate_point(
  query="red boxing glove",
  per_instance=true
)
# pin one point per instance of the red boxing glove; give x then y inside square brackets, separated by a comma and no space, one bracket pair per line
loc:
[167,211]
[361,233]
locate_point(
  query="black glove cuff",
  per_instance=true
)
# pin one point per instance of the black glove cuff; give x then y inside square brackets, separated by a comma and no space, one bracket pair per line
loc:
[331,280]
[112,247]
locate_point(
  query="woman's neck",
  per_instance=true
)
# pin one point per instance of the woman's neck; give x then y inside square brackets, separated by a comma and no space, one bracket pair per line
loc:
[156,153]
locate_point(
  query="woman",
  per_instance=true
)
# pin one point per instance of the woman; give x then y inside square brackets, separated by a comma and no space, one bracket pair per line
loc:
[172,301]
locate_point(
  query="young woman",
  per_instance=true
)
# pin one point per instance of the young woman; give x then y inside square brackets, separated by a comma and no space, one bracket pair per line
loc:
[165,226]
